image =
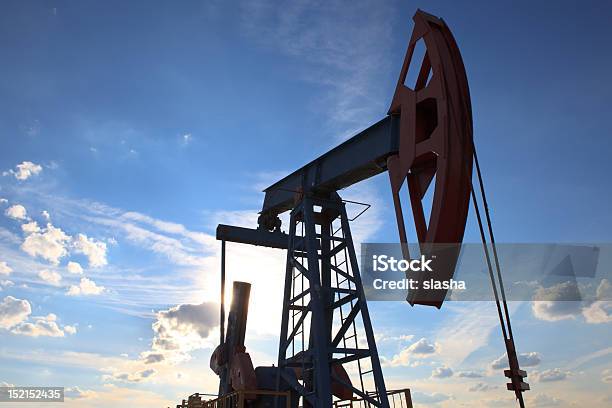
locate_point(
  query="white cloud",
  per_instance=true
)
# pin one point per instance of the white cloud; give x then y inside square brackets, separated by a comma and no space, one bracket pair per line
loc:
[5,270]
[168,227]
[7,283]
[419,349]
[50,277]
[85,287]
[30,227]
[77,393]
[442,372]
[466,329]
[13,311]
[45,326]
[433,398]
[17,212]
[531,359]
[176,250]
[3,201]
[25,170]
[481,387]
[136,377]
[70,329]
[554,374]
[111,395]
[557,302]
[598,312]
[94,250]
[469,374]
[606,376]
[182,329]
[604,290]
[422,347]
[50,244]
[46,215]
[543,400]
[74,268]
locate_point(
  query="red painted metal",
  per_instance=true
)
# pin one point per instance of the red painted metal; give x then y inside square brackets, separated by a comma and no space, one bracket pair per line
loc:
[435,140]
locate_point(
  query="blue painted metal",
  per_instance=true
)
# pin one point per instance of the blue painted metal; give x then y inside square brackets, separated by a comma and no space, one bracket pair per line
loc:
[312,307]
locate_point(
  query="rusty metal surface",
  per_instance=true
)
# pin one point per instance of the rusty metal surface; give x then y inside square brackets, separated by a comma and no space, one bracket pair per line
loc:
[230,361]
[435,140]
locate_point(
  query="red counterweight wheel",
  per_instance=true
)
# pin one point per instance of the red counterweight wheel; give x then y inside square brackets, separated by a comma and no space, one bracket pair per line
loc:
[435,140]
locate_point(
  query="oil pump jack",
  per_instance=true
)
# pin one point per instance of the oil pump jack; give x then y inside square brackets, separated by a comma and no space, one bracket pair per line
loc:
[326,331]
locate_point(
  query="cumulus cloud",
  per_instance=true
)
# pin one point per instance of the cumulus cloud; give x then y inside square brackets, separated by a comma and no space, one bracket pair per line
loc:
[557,302]
[554,374]
[70,329]
[433,398]
[16,212]
[543,400]
[481,387]
[5,270]
[6,283]
[46,215]
[181,329]
[152,358]
[77,393]
[469,374]
[74,268]
[25,170]
[95,251]
[531,359]
[30,227]
[598,312]
[50,277]
[85,287]
[419,349]
[40,326]
[442,372]
[422,347]
[49,244]
[136,377]
[13,311]
[3,201]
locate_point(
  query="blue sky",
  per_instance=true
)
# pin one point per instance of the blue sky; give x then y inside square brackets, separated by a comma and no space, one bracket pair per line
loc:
[143,125]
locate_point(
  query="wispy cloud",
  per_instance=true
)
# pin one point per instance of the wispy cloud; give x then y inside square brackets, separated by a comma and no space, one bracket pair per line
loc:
[343,49]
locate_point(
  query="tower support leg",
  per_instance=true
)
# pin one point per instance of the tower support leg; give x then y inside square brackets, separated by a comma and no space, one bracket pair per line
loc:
[325,320]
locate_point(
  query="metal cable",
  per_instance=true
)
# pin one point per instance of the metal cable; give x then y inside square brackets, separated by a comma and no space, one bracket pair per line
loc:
[493,246]
[508,336]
